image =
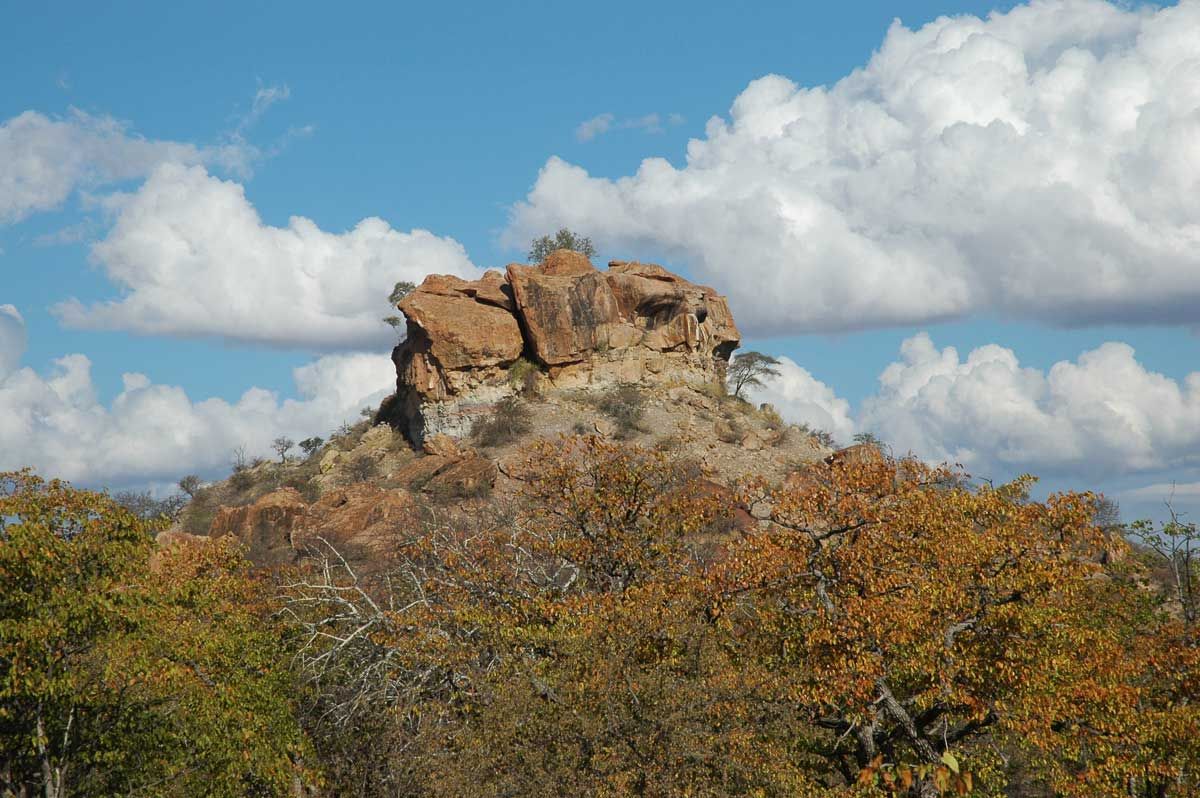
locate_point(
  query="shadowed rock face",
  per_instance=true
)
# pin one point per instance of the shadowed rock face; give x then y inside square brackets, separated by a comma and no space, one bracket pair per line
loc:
[637,322]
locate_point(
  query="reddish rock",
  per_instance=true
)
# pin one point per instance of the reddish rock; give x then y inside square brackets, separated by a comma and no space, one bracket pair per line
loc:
[421,469]
[567,313]
[265,527]
[468,477]
[461,332]
[635,322]
[361,516]
[567,263]
[442,446]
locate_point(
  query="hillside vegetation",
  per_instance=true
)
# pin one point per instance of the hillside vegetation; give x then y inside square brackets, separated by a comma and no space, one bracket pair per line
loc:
[606,627]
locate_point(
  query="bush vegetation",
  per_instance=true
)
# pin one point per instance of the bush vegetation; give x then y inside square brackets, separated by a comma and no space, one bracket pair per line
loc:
[894,631]
[625,404]
[563,239]
[508,421]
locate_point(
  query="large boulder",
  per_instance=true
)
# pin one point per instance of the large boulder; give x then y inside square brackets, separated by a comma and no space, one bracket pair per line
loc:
[566,315]
[580,326]
[265,527]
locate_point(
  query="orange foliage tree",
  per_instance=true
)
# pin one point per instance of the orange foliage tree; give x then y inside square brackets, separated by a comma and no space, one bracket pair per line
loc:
[889,629]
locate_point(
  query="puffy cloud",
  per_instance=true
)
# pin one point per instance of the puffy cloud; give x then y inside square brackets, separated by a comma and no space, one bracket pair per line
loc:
[193,258]
[801,398]
[1040,163]
[1101,416]
[155,433]
[12,339]
[43,160]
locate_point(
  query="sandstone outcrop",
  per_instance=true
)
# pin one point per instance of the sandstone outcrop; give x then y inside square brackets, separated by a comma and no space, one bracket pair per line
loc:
[577,326]
[280,527]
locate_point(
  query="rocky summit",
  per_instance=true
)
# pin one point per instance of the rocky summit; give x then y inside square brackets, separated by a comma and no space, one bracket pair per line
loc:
[559,324]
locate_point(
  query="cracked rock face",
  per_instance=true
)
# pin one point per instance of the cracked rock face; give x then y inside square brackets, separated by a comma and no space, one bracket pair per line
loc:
[635,322]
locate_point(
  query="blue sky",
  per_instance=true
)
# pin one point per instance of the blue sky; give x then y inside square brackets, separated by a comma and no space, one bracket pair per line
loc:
[446,119]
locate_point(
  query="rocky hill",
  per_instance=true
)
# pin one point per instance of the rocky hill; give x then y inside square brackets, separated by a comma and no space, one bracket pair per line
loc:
[558,325]
[634,353]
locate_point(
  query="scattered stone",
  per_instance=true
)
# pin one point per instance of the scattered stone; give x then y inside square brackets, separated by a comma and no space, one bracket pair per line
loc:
[442,446]
[751,442]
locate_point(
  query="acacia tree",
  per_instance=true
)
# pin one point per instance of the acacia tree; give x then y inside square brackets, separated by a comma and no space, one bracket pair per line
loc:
[541,247]
[282,445]
[749,369]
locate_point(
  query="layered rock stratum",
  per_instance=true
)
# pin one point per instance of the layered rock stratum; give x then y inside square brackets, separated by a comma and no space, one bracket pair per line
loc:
[562,322]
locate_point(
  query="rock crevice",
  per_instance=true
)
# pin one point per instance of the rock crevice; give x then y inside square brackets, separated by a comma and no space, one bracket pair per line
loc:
[636,322]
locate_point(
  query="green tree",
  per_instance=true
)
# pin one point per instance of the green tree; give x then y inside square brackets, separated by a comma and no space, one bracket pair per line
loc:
[399,291]
[190,484]
[563,239]
[749,369]
[126,670]
[282,445]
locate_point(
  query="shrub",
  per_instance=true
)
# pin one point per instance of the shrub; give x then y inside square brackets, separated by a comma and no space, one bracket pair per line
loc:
[539,248]
[668,443]
[361,468]
[523,377]
[305,486]
[242,479]
[625,405]
[771,418]
[508,421]
[311,446]
[823,437]
[144,505]
[197,517]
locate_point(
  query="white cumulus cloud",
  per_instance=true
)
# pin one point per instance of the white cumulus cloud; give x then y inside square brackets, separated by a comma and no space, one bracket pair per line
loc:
[1099,416]
[1041,163]
[192,257]
[43,159]
[12,339]
[803,399]
[156,433]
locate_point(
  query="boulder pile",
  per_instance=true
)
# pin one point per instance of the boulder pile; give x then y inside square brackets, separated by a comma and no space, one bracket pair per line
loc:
[561,324]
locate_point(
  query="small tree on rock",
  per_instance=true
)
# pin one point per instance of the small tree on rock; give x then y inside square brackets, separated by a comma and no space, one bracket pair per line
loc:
[399,291]
[310,445]
[282,445]
[190,484]
[749,370]
[563,239]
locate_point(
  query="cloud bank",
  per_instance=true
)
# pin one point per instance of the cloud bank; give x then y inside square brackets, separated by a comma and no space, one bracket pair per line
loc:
[44,160]
[1037,164]
[193,258]
[156,433]
[1101,416]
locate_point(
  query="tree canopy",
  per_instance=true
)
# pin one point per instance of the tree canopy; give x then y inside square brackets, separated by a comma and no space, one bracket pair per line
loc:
[749,369]
[539,248]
